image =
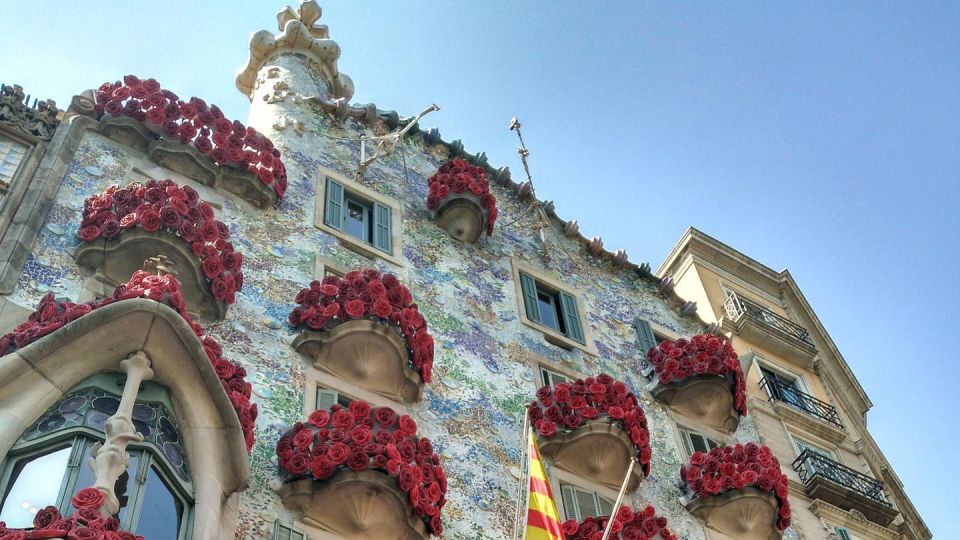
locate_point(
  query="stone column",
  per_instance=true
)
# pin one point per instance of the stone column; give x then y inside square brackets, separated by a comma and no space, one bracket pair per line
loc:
[110,459]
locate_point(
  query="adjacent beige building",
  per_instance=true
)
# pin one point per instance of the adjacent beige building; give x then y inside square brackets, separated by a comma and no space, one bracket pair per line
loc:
[805,401]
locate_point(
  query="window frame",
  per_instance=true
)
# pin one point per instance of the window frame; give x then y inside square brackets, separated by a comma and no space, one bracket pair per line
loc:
[279,527]
[686,435]
[550,335]
[315,379]
[365,195]
[843,533]
[597,498]
[800,444]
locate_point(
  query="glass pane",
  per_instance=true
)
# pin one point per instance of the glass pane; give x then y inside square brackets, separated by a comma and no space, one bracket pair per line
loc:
[160,509]
[35,484]
[698,443]
[356,223]
[548,311]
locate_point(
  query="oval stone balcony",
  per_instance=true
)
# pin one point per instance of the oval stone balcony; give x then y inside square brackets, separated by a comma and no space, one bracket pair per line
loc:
[365,329]
[460,201]
[700,379]
[593,438]
[344,477]
[739,491]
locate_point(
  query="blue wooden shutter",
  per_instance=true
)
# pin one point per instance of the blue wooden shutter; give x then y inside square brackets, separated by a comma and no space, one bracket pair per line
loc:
[334,214]
[381,228]
[529,288]
[571,317]
[844,534]
[645,338]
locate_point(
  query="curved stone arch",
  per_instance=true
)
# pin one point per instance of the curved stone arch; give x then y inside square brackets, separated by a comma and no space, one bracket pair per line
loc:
[38,375]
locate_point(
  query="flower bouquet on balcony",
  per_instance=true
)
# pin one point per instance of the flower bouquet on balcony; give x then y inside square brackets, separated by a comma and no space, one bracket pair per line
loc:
[727,468]
[628,524]
[567,406]
[456,177]
[194,122]
[369,295]
[674,361]
[86,523]
[359,438]
[177,209]
[55,313]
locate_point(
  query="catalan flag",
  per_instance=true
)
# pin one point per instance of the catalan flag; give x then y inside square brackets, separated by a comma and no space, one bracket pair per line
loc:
[543,521]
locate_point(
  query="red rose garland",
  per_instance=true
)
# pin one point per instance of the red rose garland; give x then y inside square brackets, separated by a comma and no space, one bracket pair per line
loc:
[360,438]
[366,294]
[736,467]
[628,524]
[86,523]
[53,313]
[458,176]
[567,406]
[702,355]
[177,209]
[225,141]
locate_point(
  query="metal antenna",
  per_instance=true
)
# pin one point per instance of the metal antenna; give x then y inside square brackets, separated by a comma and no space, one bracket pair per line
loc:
[543,221]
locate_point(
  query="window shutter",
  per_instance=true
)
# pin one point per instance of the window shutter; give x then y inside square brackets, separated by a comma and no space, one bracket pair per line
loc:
[844,534]
[551,378]
[569,503]
[571,317]
[586,503]
[381,228]
[283,532]
[645,338]
[326,398]
[529,288]
[605,506]
[333,214]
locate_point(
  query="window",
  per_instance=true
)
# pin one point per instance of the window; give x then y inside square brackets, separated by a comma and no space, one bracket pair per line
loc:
[790,388]
[327,397]
[804,445]
[11,155]
[364,219]
[697,442]
[843,533]
[646,339]
[551,378]
[285,532]
[580,504]
[551,308]
[50,462]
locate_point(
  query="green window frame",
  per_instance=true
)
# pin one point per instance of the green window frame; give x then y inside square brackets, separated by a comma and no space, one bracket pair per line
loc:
[376,218]
[536,295]
[646,339]
[843,533]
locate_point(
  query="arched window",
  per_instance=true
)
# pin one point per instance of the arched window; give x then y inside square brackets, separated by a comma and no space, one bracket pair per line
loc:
[51,460]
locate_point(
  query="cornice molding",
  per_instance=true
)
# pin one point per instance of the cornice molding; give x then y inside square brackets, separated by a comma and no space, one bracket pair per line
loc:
[852,520]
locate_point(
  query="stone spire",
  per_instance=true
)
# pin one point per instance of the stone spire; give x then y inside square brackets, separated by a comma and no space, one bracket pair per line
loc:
[299,34]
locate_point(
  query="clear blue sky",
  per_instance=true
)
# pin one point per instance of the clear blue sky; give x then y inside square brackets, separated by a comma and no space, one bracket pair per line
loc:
[821,137]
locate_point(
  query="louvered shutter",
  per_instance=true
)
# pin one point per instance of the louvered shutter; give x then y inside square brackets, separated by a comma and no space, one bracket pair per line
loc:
[605,506]
[333,214]
[283,532]
[843,533]
[326,398]
[645,338]
[569,502]
[381,228]
[586,504]
[571,317]
[552,378]
[529,288]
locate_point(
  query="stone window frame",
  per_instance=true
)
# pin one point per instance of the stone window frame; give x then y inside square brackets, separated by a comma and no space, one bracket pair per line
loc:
[762,362]
[681,424]
[543,363]
[552,336]
[559,477]
[314,378]
[798,443]
[322,264]
[344,238]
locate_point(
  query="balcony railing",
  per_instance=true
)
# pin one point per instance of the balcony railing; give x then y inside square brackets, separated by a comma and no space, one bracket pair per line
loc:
[811,465]
[782,391]
[737,306]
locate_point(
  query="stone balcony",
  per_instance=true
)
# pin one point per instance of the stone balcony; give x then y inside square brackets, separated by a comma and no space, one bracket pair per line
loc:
[841,486]
[766,329]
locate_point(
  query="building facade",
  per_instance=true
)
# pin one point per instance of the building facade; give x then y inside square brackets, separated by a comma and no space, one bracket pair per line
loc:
[166,345]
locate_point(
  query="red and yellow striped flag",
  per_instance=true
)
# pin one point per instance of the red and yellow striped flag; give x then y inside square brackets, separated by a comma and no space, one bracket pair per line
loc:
[543,520]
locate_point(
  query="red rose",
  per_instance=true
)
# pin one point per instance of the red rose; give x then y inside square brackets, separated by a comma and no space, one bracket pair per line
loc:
[361,435]
[358,460]
[207,231]
[89,233]
[149,220]
[359,409]
[338,453]
[547,428]
[45,517]
[407,426]
[321,467]
[88,498]
[298,463]
[303,438]
[343,420]
[354,308]
[385,416]
[212,267]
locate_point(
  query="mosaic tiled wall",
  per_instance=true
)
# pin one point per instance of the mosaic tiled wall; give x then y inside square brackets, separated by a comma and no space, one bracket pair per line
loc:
[485,358]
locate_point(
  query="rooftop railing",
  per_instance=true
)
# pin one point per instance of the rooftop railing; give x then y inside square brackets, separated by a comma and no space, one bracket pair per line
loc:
[738,306]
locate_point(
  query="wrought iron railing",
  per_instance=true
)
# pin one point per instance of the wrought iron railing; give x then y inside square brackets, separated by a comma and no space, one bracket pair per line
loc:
[782,391]
[811,465]
[737,306]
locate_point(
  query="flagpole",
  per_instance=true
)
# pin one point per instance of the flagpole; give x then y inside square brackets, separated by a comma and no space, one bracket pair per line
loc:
[521,500]
[616,505]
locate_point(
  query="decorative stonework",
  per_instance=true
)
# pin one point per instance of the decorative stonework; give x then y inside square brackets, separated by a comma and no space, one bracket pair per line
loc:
[745,514]
[38,121]
[299,33]
[703,398]
[460,201]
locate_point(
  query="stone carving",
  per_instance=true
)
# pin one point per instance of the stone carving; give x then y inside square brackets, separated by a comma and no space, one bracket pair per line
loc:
[110,459]
[299,33]
[39,121]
